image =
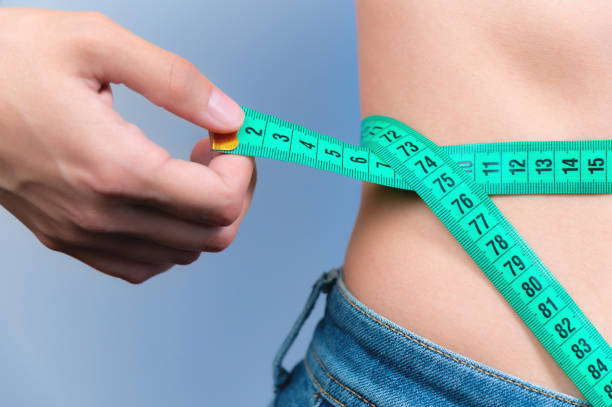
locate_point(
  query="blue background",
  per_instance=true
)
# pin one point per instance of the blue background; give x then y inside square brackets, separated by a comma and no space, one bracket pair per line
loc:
[204,334]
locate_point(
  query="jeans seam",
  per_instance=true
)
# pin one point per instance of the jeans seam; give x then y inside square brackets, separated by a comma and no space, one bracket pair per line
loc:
[458,360]
[321,389]
[359,396]
[315,398]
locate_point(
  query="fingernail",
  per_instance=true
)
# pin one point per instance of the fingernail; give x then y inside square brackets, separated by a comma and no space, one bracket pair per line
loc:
[223,112]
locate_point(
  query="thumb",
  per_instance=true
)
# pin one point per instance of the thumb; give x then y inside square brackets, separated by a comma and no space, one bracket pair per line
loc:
[202,152]
[227,166]
[165,79]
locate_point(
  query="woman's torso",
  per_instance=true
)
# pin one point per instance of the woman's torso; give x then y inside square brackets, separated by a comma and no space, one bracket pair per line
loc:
[476,71]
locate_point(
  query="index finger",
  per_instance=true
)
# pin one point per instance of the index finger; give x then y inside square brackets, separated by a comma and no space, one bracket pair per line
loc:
[164,78]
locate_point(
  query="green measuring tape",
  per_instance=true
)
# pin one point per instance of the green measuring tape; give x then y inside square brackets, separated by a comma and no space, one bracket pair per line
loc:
[455,181]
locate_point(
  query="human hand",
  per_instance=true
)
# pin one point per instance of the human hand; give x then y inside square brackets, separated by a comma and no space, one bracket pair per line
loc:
[91,185]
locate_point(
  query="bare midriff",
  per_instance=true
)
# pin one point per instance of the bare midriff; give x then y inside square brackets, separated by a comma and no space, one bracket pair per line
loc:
[474,72]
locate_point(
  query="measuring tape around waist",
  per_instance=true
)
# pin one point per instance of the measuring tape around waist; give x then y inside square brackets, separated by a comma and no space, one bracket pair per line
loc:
[455,181]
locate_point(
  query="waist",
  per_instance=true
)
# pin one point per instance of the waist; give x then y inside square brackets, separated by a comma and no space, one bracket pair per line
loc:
[359,358]
[470,74]
[403,264]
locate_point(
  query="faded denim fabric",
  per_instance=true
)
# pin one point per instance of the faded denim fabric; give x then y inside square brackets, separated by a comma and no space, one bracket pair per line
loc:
[359,358]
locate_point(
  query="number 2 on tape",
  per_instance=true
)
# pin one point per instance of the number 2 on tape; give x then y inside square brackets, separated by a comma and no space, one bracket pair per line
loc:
[455,181]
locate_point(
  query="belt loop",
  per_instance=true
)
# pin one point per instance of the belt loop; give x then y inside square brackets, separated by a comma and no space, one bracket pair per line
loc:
[323,283]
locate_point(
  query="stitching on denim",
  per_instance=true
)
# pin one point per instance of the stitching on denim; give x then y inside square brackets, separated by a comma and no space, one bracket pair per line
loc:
[315,397]
[458,360]
[359,396]
[319,384]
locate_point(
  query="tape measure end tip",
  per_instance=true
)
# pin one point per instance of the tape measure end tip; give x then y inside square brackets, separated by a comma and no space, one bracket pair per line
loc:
[227,141]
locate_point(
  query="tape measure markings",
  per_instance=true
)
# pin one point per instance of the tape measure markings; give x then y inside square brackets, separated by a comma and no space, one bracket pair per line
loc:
[455,181]
[491,238]
[501,168]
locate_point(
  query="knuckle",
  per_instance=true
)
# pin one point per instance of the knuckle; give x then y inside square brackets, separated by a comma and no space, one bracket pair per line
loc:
[230,208]
[90,220]
[181,77]
[221,241]
[95,17]
[60,236]
[229,214]
[137,277]
[187,258]
[108,179]
[50,242]
[141,275]
[70,236]
[90,33]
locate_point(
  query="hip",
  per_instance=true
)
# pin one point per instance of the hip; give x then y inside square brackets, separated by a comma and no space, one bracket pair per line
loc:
[359,358]
[402,263]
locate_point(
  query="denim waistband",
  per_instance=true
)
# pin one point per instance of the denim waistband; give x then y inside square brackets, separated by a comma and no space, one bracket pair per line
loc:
[359,358]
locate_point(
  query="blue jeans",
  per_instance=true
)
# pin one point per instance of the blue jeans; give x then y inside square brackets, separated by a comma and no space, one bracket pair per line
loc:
[359,358]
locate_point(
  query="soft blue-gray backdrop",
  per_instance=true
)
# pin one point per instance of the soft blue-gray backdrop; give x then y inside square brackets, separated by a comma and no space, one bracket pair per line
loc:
[204,334]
